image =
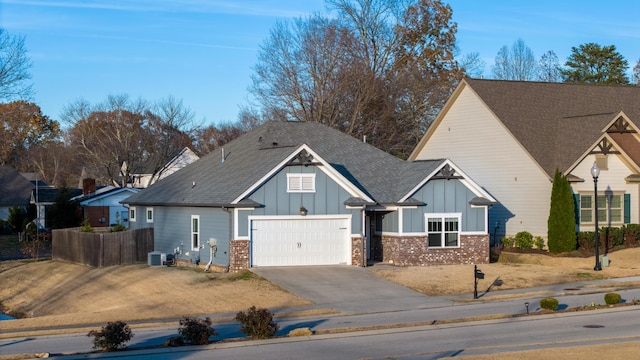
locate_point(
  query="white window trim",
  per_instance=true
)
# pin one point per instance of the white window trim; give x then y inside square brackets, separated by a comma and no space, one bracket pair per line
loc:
[443,216]
[301,177]
[146,215]
[196,217]
[601,206]
[132,213]
[236,224]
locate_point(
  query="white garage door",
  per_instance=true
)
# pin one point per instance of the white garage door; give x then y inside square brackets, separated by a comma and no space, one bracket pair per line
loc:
[306,241]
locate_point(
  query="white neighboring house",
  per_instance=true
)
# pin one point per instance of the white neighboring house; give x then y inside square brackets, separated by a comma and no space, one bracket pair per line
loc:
[511,136]
[149,176]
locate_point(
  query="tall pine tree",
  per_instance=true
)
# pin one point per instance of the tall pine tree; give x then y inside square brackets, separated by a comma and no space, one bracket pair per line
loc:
[561,226]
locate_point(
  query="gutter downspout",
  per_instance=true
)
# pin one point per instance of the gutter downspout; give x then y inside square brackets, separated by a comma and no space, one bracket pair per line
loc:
[230,212]
[364,234]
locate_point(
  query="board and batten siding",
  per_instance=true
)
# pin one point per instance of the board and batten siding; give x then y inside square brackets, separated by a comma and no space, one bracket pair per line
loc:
[611,179]
[328,199]
[173,229]
[444,196]
[475,140]
[390,222]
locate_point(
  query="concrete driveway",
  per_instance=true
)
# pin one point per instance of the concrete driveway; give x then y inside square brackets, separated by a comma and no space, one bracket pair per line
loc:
[348,289]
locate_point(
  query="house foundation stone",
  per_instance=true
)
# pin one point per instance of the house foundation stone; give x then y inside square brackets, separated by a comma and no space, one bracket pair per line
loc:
[238,255]
[414,251]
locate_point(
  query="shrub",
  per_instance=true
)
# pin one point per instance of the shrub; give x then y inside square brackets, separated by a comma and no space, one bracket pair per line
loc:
[586,241]
[538,242]
[112,336]
[631,235]
[549,303]
[86,226]
[612,298]
[118,228]
[615,236]
[561,224]
[196,331]
[507,241]
[257,323]
[523,240]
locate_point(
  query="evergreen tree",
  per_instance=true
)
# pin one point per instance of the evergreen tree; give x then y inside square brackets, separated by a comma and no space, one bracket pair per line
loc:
[64,213]
[594,64]
[561,226]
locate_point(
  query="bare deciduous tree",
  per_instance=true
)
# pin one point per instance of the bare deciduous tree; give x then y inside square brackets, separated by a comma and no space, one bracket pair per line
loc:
[549,66]
[472,64]
[171,128]
[515,63]
[119,136]
[14,68]
[380,69]
[212,137]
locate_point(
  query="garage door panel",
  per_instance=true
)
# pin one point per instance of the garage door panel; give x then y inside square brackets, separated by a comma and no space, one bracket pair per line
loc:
[288,242]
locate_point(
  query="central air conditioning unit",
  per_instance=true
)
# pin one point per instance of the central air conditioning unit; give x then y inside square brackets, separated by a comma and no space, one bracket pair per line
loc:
[156,258]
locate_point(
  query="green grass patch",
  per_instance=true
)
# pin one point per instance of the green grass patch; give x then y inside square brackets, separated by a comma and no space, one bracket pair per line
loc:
[589,276]
[245,275]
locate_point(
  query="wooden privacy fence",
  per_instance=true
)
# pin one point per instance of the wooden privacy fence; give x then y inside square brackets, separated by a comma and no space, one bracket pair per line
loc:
[102,249]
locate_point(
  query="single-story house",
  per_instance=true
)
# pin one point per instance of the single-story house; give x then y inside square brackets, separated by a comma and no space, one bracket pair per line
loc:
[43,198]
[301,193]
[511,136]
[103,207]
[15,191]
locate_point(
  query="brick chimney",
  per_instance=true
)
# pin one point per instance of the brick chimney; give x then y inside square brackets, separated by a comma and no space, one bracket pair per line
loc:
[88,186]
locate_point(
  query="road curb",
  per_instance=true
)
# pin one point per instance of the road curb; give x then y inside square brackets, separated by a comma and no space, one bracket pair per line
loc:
[397,328]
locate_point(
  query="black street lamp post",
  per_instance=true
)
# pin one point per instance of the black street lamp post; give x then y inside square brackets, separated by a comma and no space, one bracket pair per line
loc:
[595,172]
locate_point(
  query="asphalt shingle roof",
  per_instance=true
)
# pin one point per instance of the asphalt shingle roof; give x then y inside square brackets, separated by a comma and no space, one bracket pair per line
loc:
[556,122]
[15,189]
[213,182]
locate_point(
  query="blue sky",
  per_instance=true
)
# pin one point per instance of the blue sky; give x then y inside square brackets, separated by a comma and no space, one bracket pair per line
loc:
[203,51]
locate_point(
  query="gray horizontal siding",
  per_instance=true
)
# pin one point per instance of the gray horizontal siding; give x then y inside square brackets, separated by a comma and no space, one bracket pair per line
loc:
[173,229]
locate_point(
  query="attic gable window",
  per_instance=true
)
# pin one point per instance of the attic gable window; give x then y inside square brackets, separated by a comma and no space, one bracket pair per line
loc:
[301,182]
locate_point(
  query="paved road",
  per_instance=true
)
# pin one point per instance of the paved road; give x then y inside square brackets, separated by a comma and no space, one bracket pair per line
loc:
[424,342]
[449,309]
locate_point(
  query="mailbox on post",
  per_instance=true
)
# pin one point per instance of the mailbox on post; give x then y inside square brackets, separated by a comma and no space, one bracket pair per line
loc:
[478,275]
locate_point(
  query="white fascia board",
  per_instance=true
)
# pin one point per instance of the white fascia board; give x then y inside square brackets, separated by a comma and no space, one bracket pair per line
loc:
[625,156]
[108,194]
[466,181]
[326,168]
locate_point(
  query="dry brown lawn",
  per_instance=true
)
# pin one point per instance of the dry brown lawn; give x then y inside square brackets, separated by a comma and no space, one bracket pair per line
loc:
[513,271]
[53,293]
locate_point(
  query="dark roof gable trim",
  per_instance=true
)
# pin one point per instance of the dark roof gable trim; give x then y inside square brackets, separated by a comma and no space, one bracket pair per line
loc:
[604,147]
[621,126]
[447,173]
[303,158]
